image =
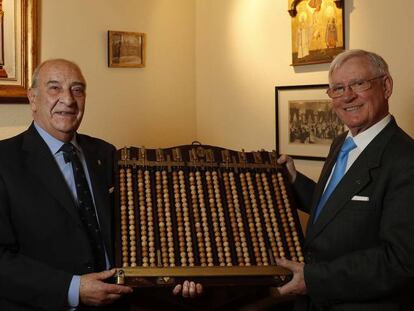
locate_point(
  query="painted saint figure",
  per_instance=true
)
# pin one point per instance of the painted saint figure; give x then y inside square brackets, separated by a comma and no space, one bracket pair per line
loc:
[303,37]
[331,37]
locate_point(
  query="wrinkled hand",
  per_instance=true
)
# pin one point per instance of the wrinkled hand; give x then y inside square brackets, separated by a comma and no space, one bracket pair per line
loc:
[188,289]
[290,166]
[95,292]
[297,285]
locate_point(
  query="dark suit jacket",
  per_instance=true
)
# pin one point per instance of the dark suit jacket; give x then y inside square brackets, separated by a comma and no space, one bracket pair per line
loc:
[360,254]
[42,239]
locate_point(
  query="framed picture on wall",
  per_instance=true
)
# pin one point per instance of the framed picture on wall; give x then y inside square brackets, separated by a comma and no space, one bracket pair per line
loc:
[19,49]
[126,49]
[305,122]
[317,30]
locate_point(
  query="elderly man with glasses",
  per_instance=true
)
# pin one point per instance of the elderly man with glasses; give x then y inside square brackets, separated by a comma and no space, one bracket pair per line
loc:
[359,247]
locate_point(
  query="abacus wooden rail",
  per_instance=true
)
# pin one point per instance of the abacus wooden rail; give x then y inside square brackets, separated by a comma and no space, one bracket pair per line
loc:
[210,276]
[204,213]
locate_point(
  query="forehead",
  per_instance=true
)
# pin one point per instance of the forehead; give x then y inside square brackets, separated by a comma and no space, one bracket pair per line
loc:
[353,68]
[61,72]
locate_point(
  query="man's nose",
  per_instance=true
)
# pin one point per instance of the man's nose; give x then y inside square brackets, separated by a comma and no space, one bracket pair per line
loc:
[67,97]
[349,94]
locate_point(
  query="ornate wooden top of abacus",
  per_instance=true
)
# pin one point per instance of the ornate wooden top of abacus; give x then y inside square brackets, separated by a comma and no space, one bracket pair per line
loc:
[199,156]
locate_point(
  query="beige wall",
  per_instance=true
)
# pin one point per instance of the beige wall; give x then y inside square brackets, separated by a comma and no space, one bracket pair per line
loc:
[243,50]
[211,70]
[152,106]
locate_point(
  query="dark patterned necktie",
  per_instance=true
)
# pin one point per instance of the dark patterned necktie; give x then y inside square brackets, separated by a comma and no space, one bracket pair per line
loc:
[86,207]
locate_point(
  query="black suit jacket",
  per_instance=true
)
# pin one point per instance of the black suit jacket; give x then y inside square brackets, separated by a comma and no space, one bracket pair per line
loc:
[360,253]
[42,239]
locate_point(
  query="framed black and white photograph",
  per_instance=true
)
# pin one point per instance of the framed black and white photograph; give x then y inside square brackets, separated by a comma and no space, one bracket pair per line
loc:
[305,122]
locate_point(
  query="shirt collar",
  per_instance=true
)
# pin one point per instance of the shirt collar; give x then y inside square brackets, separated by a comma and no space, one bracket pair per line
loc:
[364,138]
[53,143]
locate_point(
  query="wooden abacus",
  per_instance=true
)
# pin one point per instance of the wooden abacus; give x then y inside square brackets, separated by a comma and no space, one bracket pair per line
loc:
[203,213]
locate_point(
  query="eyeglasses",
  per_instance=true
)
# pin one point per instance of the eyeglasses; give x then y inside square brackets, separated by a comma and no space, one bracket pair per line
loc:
[356,86]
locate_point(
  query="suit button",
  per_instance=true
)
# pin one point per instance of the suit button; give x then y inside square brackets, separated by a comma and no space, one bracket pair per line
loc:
[89,266]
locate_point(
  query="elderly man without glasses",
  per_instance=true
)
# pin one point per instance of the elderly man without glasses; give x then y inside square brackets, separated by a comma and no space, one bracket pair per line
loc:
[56,205]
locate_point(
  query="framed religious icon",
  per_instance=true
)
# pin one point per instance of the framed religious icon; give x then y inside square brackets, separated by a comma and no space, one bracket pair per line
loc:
[305,122]
[18,48]
[126,49]
[317,30]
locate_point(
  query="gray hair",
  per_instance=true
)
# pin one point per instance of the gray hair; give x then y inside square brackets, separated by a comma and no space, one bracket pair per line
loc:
[378,65]
[36,72]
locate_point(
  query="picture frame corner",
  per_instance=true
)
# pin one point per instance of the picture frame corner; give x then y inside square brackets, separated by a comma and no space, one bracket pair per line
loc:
[15,91]
[310,96]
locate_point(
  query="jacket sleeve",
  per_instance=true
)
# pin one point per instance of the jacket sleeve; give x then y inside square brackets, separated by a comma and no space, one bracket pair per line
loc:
[22,279]
[303,189]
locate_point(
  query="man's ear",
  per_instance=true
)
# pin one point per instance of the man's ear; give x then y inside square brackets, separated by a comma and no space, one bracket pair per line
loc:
[31,95]
[388,85]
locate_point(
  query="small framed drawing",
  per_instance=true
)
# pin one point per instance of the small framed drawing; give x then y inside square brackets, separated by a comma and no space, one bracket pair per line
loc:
[317,30]
[126,49]
[305,122]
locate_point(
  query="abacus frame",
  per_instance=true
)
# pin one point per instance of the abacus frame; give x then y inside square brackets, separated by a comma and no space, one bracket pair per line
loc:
[202,159]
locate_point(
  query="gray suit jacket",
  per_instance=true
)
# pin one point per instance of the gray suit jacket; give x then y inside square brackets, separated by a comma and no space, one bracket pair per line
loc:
[360,254]
[42,240]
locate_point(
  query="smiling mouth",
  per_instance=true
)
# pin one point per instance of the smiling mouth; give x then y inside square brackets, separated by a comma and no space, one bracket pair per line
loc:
[65,113]
[353,108]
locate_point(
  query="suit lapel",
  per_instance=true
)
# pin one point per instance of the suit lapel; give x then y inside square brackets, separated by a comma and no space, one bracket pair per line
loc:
[41,163]
[97,174]
[353,181]
[356,178]
[326,171]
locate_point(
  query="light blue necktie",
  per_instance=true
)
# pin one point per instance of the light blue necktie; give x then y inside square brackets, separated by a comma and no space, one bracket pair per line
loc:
[337,174]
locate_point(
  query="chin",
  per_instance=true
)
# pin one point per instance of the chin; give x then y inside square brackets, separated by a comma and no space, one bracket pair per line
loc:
[67,128]
[352,120]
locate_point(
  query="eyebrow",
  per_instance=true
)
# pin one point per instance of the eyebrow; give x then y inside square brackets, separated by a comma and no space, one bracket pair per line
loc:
[76,83]
[351,81]
[52,82]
